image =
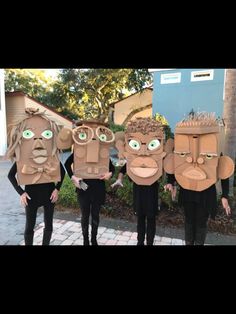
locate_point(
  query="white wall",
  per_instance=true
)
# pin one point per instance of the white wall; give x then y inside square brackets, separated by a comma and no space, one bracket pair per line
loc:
[3,130]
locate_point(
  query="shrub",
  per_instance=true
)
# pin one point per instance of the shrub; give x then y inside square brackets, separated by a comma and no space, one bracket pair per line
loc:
[126,193]
[167,130]
[67,195]
[116,127]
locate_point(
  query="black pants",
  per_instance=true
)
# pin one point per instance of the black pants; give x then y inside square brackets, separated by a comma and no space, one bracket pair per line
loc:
[89,207]
[196,218]
[31,214]
[143,228]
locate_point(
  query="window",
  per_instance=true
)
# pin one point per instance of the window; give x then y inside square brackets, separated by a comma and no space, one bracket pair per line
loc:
[205,75]
[170,78]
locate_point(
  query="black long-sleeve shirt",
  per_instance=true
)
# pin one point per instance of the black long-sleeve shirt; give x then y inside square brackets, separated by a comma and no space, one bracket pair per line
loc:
[206,198]
[96,187]
[39,193]
[145,197]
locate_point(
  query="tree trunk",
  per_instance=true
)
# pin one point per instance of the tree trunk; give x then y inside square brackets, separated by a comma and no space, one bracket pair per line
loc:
[229,116]
[132,113]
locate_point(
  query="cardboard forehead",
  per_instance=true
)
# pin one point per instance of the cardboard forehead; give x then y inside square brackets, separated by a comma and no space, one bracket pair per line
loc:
[208,143]
[37,123]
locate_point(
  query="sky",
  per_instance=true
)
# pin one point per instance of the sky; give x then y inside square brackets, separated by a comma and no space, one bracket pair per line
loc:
[52,72]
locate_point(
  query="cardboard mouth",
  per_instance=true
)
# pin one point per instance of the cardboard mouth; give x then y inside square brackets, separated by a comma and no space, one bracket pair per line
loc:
[143,172]
[39,156]
[194,174]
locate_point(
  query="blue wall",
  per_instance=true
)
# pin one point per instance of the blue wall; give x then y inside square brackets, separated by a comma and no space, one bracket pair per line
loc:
[177,99]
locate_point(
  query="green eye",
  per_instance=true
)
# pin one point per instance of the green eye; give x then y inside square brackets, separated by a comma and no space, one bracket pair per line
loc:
[47,134]
[28,134]
[103,137]
[134,144]
[209,156]
[82,136]
[154,144]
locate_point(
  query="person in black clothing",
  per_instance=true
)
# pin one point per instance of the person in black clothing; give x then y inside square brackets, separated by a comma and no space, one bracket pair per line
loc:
[37,166]
[34,196]
[91,166]
[91,199]
[196,165]
[142,146]
[145,205]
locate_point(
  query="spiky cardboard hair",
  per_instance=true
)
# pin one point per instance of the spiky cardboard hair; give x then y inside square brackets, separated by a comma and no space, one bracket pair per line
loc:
[198,123]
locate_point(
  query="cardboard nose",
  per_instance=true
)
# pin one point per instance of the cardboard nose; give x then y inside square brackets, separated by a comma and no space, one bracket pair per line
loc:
[38,144]
[92,151]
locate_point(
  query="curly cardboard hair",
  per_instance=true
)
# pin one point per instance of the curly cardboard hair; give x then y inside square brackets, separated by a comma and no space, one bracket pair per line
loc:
[144,126]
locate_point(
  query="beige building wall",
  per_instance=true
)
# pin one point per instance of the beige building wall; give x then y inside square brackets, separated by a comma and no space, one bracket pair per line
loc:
[124,107]
[31,103]
[144,114]
[15,105]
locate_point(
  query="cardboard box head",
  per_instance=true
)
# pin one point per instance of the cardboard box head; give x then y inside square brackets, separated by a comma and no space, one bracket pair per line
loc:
[142,145]
[196,161]
[92,140]
[32,143]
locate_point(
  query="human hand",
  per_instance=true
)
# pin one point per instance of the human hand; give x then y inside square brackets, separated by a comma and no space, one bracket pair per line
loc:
[226,206]
[169,187]
[117,183]
[75,181]
[54,196]
[105,176]
[23,199]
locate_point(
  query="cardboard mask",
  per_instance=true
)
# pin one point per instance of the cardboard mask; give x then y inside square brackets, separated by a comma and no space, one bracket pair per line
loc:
[92,141]
[142,146]
[33,144]
[196,160]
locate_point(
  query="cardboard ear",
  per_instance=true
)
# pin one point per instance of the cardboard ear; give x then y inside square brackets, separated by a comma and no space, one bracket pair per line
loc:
[169,146]
[120,143]
[64,138]
[169,165]
[225,167]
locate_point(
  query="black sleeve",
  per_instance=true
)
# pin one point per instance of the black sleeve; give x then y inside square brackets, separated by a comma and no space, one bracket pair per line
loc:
[58,185]
[68,164]
[111,168]
[12,177]
[170,178]
[123,169]
[225,188]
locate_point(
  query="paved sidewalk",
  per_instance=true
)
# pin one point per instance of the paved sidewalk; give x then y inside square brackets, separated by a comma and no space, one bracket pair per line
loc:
[70,233]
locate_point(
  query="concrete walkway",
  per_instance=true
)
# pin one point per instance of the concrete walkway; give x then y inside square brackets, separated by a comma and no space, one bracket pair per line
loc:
[67,228]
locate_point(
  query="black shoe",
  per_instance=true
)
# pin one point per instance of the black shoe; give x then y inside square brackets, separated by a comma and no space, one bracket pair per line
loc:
[86,242]
[29,238]
[94,242]
[46,237]
[140,243]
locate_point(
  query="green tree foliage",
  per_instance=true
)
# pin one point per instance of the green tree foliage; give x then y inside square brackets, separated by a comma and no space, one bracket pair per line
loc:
[33,82]
[88,93]
[160,118]
[78,93]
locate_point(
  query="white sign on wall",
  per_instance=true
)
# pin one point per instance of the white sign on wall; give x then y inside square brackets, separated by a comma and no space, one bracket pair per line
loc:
[205,75]
[170,78]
